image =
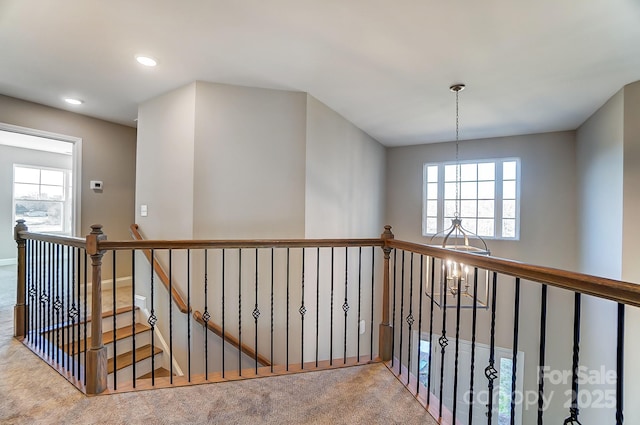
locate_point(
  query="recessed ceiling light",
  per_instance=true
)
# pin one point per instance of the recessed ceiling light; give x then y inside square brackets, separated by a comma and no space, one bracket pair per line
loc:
[73,101]
[146,60]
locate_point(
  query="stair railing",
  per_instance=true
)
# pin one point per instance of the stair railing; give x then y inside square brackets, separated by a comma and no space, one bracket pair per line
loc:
[336,280]
[182,305]
[52,313]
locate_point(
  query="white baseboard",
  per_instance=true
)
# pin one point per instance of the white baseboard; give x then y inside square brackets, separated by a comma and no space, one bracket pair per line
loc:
[8,261]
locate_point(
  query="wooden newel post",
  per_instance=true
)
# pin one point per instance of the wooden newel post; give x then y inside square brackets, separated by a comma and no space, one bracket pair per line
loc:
[386,331]
[96,369]
[20,309]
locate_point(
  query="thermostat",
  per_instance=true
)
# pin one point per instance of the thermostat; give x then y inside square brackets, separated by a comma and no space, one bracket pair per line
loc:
[95,184]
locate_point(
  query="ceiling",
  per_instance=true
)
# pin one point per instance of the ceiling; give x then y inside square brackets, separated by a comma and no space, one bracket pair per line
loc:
[386,66]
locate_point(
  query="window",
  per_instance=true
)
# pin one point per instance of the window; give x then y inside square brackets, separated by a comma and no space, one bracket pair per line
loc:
[504,391]
[485,194]
[41,197]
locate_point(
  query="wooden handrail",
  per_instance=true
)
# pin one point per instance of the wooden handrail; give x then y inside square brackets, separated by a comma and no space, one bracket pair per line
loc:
[58,239]
[614,290]
[240,243]
[216,329]
[159,270]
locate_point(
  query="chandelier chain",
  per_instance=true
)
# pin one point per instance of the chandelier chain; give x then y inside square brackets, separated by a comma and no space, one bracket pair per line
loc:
[458,199]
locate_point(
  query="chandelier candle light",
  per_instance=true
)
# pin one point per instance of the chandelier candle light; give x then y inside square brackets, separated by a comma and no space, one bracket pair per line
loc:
[456,280]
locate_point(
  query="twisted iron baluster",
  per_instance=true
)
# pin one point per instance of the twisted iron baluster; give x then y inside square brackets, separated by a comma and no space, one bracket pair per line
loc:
[490,371]
[573,410]
[410,319]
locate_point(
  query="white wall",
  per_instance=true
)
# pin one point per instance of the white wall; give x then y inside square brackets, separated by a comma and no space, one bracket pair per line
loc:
[345,172]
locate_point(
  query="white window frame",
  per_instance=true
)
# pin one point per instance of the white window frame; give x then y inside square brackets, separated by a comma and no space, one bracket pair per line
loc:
[498,196]
[67,190]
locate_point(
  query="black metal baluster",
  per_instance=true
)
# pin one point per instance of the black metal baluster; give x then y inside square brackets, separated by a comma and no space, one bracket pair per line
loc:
[223,331]
[345,305]
[86,310]
[457,350]
[43,296]
[541,358]
[419,324]
[30,288]
[206,316]
[50,287]
[433,282]
[65,304]
[115,346]
[67,297]
[514,365]
[573,410]
[490,371]
[401,314]
[78,312]
[133,317]
[73,311]
[443,341]
[288,300]
[79,298]
[170,316]
[256,315]
[393,316]
[474,322]
[59,266]
[57,303]
[239,311]
[373,278]
[189,316]
[302,312]
[410,318]
[152,322]
[620,366]
[36,305]
[271,358]
[359,300]
[317,301]
[331,311]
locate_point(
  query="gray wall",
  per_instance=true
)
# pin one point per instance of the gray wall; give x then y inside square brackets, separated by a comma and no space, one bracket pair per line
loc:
[108,154]
[249,163]
[599,152]
[345,172]
[548,236]
[8,157]
[630,248]
[164,169]
[548,199]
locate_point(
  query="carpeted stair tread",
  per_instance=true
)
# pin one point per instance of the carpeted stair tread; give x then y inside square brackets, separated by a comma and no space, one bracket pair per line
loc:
[126,359]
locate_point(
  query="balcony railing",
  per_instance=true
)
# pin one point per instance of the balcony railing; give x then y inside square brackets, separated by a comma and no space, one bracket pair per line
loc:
[249,308]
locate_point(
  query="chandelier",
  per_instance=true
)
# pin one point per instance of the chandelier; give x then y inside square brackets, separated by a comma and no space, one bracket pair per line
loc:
[456,279]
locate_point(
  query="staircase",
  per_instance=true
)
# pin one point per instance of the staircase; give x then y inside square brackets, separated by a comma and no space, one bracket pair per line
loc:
[128,346]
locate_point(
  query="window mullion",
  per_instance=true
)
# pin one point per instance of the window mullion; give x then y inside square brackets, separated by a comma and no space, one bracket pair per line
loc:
[441,198]
[498,200]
